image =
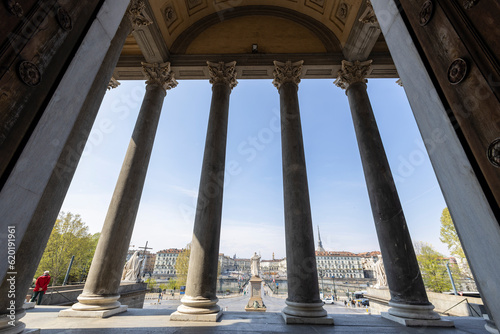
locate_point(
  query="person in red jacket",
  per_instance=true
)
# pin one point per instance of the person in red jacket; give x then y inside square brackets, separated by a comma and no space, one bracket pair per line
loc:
[41,285]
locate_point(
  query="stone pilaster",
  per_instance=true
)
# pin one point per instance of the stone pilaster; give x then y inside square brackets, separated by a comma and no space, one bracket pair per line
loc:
[303,302]
[409,303]
[101,288]
[200,301]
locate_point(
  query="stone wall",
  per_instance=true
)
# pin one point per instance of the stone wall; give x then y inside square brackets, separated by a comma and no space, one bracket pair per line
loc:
[132,294]
[444,304]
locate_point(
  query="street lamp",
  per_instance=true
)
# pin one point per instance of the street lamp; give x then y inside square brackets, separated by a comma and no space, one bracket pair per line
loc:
[334,288]
[321,274]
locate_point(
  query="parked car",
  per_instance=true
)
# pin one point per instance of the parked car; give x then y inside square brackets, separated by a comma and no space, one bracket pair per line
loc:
[365,302]
[328,300]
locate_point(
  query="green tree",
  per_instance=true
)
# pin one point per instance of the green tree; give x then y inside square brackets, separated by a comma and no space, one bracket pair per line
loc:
[433,268]
[182,265]
[70,236]
[173,284]
[151,283]
[449,236]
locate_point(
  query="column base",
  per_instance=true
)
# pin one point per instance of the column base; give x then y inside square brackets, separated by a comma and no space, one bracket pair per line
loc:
[422,312]
[491,328]
[72,313]
[197,309]
[417,322]
[306,313]
[293,320]
[202,317]
[6,323]
[96,303]
[15,330]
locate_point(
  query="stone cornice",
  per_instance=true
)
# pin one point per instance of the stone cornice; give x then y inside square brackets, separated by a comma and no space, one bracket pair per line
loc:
[352,72]
[136,15]
[159,74]
[287,72]
[222,73]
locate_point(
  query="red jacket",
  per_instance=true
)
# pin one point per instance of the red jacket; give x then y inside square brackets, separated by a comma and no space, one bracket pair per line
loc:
[41,283]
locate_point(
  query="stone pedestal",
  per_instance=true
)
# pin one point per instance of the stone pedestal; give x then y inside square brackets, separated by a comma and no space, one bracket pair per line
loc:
[255,304]
[70,313]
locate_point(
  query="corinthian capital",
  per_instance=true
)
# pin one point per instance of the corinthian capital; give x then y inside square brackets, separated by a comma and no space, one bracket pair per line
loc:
[113,83]
[287,72]
[222,73]
[368,15]
[159,74]
[352,72]
[136,15]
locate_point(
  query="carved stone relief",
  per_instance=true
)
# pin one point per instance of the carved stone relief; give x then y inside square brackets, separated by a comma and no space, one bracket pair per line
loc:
[29,73]
[64,19]
[15,8]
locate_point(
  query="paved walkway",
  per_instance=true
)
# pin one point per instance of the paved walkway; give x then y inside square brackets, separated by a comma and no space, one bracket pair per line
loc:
[154,318]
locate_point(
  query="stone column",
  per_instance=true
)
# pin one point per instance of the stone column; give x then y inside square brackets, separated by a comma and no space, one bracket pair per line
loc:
[101,288]
[200,301]
[409,303]
[303,302]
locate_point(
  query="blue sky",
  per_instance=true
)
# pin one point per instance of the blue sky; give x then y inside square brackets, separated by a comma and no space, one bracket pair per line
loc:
[253,218]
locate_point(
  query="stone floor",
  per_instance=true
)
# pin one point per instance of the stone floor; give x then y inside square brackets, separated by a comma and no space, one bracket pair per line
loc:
[154,318]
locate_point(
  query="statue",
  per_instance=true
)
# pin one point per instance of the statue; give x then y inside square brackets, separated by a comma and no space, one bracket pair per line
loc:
[132,268]
[380,272]
[255,304]
[255,266]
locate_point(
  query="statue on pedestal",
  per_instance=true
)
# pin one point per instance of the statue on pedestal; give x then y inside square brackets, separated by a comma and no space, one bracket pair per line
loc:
[255,303]
[132,268]
[255,265]
[380,273]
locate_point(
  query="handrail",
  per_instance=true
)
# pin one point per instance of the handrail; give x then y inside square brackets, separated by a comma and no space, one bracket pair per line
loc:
[468,304]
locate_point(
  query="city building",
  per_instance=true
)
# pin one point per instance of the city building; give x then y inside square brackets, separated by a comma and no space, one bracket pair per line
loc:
[243,265]
[165,262]
[340,264]
[227,263]
[273,267]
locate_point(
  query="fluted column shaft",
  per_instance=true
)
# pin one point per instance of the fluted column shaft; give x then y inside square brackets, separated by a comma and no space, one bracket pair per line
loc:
[403,274]
[303,290]
[201,282]
[103,281]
